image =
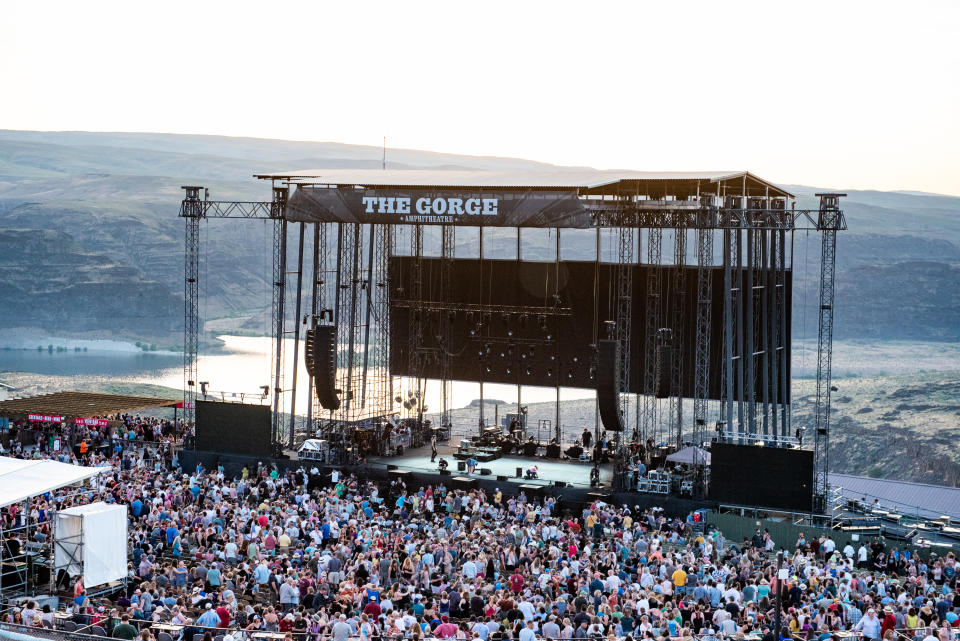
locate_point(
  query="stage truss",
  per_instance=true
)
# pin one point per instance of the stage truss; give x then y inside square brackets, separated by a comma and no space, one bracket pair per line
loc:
[754,236]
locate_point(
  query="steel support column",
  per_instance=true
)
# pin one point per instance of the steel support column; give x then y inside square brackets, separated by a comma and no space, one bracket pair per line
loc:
[679,312]
[830,220]
[702,354]
[191,210]
[651,326]
[278,213]
[296,341]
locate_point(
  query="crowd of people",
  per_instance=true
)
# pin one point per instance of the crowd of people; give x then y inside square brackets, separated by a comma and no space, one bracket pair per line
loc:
[326,554]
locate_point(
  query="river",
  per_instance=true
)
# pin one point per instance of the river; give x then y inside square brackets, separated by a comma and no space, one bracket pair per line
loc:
[238,369]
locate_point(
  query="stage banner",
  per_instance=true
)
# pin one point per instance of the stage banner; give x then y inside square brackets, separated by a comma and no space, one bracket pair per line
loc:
[91,422]
[481,208]
[45,418]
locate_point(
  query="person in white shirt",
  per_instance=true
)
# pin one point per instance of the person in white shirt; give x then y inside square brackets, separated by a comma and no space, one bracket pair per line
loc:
[527,633]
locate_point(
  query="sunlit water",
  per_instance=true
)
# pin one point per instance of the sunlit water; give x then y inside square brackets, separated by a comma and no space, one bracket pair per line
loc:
[240,369]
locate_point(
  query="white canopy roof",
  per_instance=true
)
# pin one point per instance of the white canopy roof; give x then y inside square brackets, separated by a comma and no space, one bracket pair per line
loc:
[690,455]
[21,480]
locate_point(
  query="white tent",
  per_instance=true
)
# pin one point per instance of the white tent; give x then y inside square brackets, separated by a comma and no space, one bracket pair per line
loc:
[92,540]
[313,449]
[24,479]
[689,456]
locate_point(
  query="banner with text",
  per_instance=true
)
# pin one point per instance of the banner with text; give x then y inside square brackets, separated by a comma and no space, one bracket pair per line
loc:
[45,418]
[427,206]
[91,422]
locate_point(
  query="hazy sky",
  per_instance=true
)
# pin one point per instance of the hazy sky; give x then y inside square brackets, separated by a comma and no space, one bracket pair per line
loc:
[833,94]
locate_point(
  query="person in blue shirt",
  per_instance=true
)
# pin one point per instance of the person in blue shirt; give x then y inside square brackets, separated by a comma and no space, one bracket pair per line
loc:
[136,507]
[172,533]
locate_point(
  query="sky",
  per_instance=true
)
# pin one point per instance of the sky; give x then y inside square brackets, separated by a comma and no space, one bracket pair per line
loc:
[838,94]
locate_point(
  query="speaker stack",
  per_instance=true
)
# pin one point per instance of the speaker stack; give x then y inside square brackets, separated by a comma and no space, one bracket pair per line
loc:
[607,392]
[321,361]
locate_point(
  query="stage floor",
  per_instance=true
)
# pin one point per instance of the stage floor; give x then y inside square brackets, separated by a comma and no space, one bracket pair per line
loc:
[550,470]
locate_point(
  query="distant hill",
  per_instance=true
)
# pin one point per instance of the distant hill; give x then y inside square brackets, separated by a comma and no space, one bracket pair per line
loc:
[90,242]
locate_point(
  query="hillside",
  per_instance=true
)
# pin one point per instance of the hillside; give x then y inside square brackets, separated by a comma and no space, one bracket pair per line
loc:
[90,241]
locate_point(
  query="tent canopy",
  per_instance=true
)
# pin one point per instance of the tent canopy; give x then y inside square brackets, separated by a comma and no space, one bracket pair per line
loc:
[21,480]
[690,455]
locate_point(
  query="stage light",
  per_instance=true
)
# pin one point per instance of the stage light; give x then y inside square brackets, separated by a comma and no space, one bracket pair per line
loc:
[502,355]
[759,443]
[549,373]
[488,369]
[570,375]
[529,371]
[509,332]
[508,370]
[576,360]
[523,355]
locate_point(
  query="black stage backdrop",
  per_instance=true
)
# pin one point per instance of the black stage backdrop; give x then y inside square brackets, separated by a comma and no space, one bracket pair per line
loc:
[515,350]
[234,428]
[765,476]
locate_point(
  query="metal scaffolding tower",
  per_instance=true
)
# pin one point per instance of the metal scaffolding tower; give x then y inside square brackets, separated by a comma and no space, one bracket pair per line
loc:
[679,295]
[651,327]
[830,220]
[191,210]
[701,392]
[447,253]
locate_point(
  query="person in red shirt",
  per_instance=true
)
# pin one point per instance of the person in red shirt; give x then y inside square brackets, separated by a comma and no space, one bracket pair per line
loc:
[224,615]
[516,582]
[372,610]
[445,630]
[889,621]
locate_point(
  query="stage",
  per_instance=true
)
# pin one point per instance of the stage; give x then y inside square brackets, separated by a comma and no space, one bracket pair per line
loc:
[551,471]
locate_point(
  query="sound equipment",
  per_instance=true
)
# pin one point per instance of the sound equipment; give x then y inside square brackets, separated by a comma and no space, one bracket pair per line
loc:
[324,354]
[664,369]
[772,477]
[309,347]
[485,471]
[607,388]
[519,472]
[461,466]
[553,450]
[501,477]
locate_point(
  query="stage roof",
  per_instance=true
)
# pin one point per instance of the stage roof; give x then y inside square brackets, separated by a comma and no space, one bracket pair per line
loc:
[81,404]
[21,480]
[585,181]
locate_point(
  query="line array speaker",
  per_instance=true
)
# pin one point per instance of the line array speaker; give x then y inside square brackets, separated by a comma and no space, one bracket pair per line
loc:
[325,366]
[309,345]
[664,370]
[607,392]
